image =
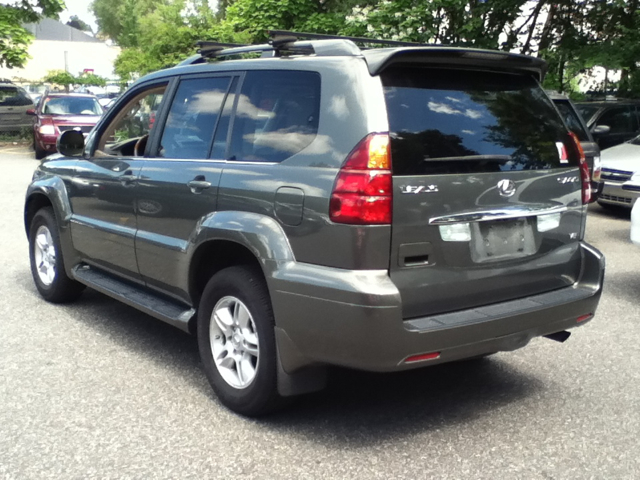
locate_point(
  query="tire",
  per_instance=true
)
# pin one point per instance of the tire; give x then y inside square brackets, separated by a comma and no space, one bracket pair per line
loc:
[40,154]
[47,263]
[243,328]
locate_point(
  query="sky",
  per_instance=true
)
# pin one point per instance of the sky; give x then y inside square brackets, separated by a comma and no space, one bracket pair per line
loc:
[81,9]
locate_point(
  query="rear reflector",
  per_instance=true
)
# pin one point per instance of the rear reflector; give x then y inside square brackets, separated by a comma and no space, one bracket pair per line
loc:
[424,356]
[362,194]
[584,317]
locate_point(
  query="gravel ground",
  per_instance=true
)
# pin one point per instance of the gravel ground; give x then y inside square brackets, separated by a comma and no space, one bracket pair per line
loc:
[98,390]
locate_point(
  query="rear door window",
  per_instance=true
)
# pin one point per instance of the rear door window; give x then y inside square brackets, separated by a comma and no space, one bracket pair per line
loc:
[192,119]
[454,121]
[276,115]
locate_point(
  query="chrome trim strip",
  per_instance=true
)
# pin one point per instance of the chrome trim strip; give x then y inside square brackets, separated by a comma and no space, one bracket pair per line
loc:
[496,214]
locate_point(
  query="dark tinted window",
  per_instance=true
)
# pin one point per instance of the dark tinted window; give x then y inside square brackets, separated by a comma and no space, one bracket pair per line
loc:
[452,121]
[587,111]
[276,115]
[570,117]
[222,130]
[192,119]
[14,97]
[618,119]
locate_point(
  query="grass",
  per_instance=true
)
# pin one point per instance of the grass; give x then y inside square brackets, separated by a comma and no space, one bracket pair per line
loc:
[23,136]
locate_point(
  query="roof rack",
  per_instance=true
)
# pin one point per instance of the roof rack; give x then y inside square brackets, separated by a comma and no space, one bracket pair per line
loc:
[281,43]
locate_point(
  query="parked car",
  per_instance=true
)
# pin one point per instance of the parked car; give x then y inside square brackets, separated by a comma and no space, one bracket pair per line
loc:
[59,112]
[383,210]
[612,122]
[577,125]
[621,174]
[14,104]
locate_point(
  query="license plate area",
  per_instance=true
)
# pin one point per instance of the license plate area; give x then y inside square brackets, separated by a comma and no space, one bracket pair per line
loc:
[502,239]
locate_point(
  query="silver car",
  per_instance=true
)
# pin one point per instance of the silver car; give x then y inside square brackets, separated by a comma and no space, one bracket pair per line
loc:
[14,103]
[621,174]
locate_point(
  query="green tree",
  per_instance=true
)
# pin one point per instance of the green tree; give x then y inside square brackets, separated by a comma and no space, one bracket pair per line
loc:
[61,78]
[14,39]
[76,22]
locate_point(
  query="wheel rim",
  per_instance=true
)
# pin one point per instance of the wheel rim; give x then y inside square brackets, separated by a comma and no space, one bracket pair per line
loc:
[234,342]
[44,253]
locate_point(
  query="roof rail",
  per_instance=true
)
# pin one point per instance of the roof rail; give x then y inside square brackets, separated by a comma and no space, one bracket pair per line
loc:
[286,35]
[281,43]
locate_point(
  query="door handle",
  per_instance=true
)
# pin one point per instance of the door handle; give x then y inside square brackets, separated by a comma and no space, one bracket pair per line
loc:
[127,178]
[198,184]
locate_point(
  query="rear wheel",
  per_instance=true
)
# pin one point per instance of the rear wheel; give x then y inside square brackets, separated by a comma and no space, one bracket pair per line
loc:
[47,264]
[237,343]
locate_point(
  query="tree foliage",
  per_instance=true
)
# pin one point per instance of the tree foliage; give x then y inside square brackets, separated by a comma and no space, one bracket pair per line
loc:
[14,39]
[67,80]
[574,36]
[77,23]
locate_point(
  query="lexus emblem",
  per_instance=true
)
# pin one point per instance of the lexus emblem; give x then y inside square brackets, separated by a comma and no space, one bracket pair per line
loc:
[506,188]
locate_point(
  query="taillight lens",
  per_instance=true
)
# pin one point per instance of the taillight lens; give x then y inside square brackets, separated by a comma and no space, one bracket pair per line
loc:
[362,194]
[584,170]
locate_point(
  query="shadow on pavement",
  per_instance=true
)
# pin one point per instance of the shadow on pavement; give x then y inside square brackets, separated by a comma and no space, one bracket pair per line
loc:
[611,211]
[365,408]
[362,407]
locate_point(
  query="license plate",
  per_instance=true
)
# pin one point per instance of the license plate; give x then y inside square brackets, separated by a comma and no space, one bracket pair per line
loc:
[502,239]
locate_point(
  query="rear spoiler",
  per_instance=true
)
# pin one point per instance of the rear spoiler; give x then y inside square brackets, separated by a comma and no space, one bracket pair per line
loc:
[381,58]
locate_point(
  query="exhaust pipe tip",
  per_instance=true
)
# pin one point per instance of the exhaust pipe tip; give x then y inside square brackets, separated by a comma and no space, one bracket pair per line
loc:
[559,336]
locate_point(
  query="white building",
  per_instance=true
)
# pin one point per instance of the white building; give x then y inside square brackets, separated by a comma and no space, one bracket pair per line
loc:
[60,47]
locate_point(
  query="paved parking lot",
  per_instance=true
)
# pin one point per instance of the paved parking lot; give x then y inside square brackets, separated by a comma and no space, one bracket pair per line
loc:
[97,390]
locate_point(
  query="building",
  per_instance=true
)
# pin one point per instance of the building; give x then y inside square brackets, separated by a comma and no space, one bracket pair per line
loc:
[60,47]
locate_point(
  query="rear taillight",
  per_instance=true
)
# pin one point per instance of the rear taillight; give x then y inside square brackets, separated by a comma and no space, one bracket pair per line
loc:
[585,177]
[362,194]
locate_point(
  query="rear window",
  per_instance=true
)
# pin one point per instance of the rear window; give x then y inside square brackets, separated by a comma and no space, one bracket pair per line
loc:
[14,97]
[454,121]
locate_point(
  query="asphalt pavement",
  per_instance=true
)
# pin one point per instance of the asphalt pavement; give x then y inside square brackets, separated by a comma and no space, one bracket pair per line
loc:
[96,389]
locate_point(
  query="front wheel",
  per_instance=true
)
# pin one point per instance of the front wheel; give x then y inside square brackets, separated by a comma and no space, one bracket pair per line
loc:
[237,343]
[47,264]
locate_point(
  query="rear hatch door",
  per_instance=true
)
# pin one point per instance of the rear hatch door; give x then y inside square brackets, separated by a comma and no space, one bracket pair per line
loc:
[487,203]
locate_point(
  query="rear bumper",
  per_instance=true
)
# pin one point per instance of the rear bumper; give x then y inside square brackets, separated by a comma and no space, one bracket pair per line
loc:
[356,321]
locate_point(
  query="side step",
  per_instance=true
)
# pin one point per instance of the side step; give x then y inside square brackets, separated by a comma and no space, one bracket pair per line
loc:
[161,308]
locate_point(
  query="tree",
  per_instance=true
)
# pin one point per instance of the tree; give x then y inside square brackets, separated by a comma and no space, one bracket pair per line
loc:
[67,80]
[76,22]
[14,39]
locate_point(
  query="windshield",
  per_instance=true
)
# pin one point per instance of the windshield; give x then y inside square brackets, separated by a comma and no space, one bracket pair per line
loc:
[459,121]
[571,119]
[13,97]
[587,111]
[71,106]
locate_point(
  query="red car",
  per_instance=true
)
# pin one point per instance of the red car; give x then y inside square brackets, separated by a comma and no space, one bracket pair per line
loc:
[58,112]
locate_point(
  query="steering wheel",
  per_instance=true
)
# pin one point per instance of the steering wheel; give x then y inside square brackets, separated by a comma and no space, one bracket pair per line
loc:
[141,144]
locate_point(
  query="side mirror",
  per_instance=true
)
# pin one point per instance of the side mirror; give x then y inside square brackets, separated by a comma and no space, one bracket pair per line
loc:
[70,143]
[600,129]
[31,111]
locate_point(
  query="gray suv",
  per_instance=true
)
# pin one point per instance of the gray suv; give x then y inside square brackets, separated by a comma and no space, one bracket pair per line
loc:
[381,209]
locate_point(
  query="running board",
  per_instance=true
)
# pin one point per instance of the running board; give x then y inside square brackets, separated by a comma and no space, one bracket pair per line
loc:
[161,308]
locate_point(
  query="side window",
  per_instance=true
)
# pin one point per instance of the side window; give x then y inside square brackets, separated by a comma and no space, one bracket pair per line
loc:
[128,131]
[276,116]
[618,119]
[192,118]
